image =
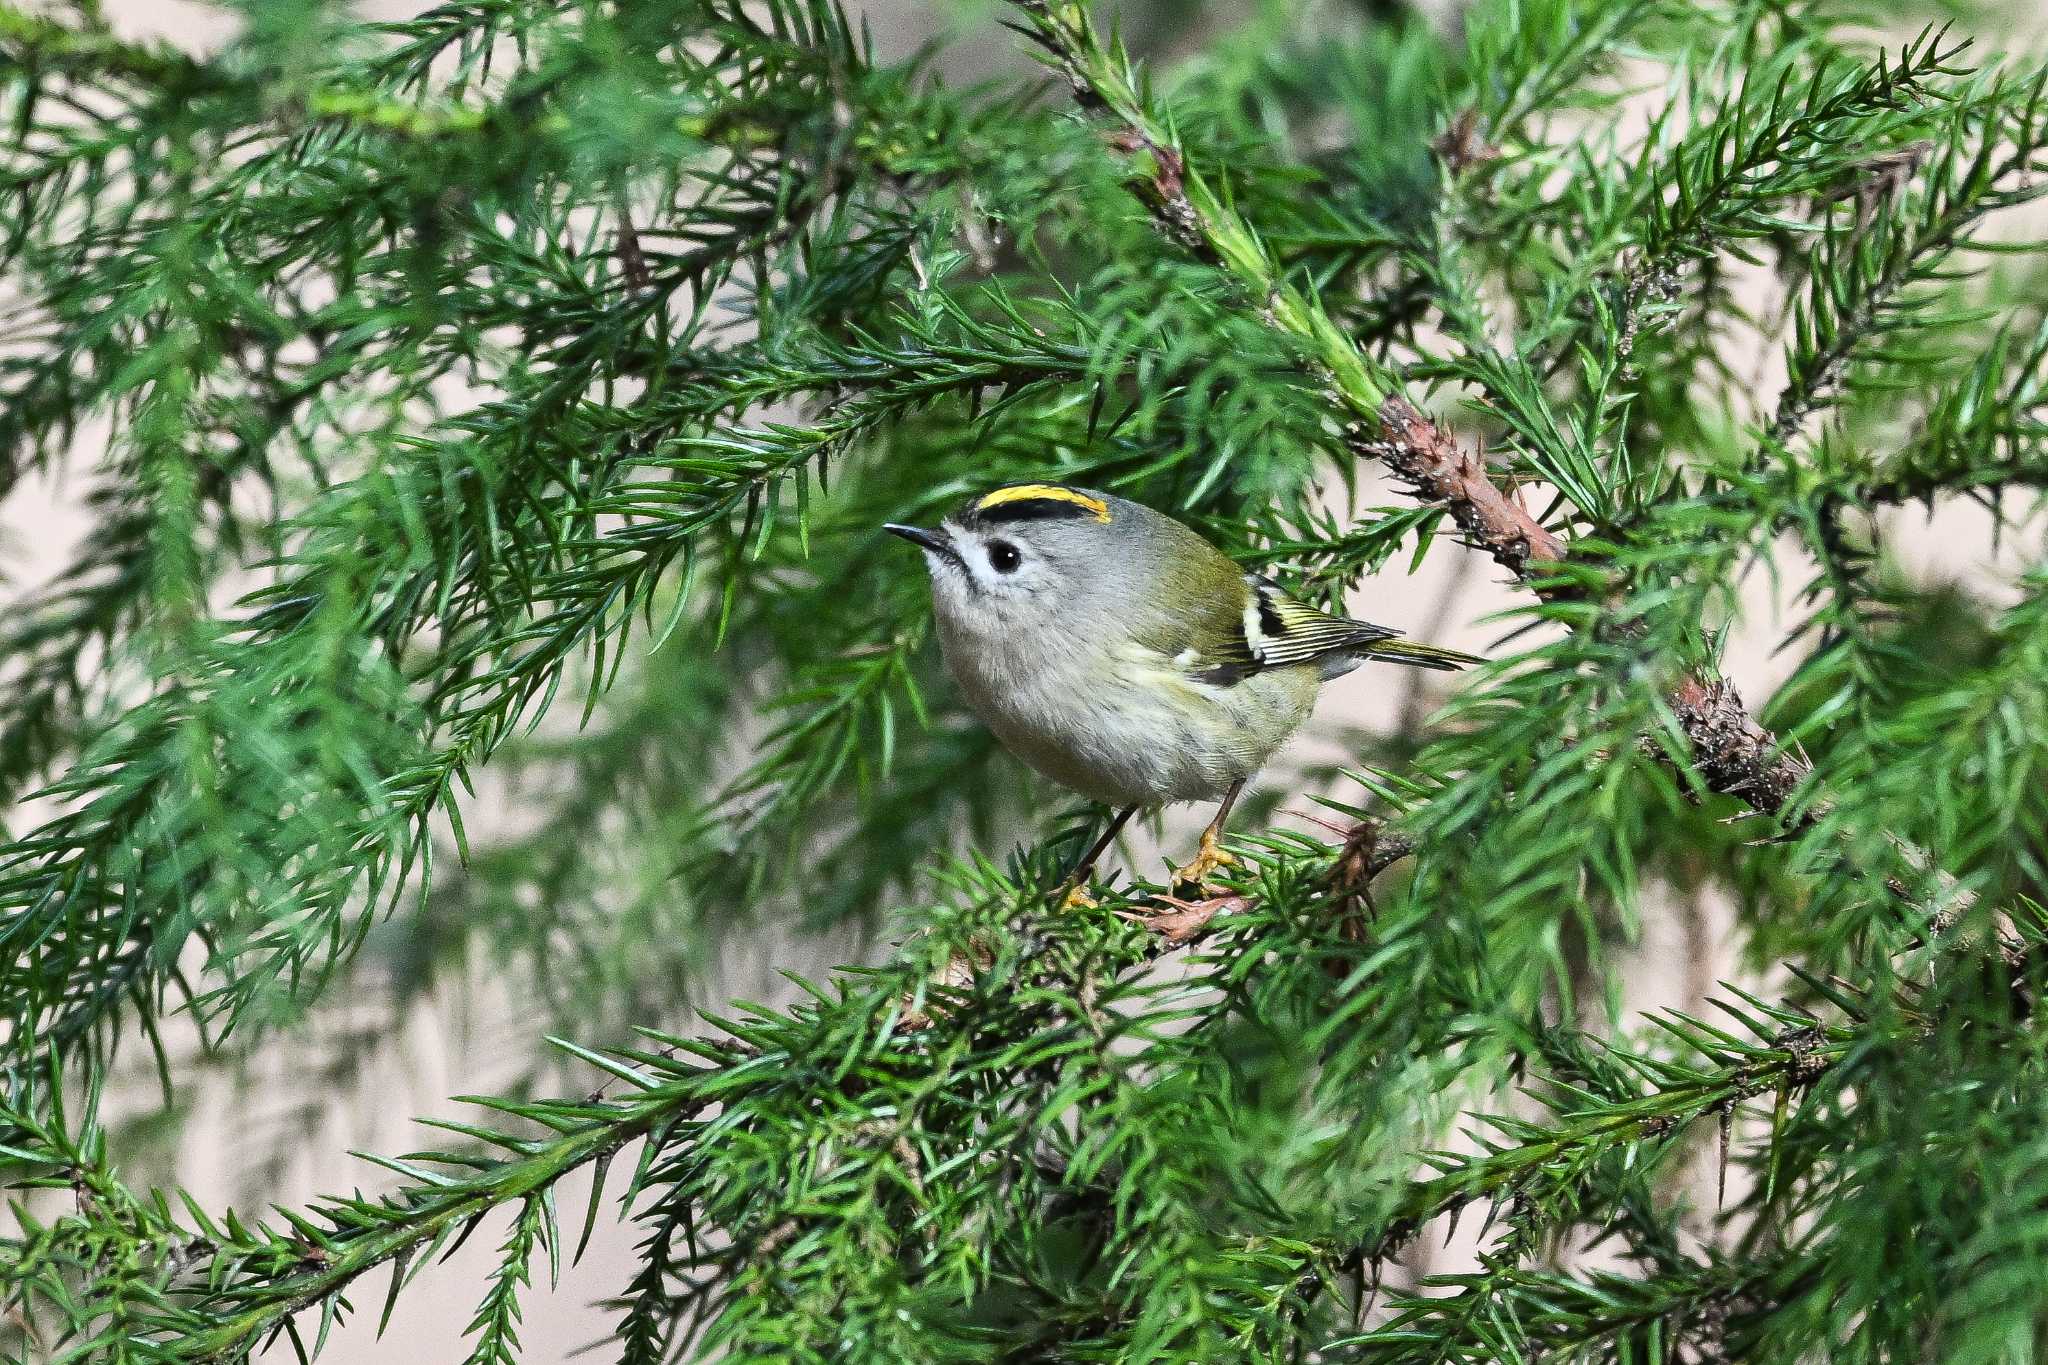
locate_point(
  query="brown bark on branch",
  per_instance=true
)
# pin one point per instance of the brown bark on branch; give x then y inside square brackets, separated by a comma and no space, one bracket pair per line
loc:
[1734,755]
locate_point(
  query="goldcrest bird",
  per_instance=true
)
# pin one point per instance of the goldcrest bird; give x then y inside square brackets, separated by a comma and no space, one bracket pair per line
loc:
[1120,654]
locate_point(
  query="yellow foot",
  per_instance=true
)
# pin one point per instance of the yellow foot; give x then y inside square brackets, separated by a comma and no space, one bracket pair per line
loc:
[1194,877]
[1077,898]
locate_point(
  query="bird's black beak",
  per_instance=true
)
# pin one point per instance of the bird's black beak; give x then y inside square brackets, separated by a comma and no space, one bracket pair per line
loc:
[934,542]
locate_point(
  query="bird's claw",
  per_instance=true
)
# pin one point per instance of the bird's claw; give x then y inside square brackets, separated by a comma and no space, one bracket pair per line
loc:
[1193,878]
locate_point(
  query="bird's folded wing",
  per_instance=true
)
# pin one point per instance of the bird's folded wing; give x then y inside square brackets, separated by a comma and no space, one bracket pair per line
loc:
[1261,627]
[1284,630]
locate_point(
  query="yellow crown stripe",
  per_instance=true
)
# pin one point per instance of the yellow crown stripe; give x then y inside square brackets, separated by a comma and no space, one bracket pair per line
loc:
[1036,492]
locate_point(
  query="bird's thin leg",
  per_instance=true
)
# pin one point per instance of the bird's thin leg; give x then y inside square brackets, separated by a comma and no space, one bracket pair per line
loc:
[1211,855]
[1070,890]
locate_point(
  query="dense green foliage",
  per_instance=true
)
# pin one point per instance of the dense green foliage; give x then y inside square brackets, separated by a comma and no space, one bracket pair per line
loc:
[511,394]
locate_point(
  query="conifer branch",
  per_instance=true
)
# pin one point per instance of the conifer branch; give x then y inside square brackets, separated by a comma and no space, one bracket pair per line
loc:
[500,345]
[210,1287]
[1685,1308]
[1735,755]
[214,1290]
[32,40]
[675,469]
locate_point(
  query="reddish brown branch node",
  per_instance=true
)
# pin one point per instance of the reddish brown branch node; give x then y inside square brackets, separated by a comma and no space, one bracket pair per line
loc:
[1736,756]
[1183,921]
[1421,453]
[1163,191]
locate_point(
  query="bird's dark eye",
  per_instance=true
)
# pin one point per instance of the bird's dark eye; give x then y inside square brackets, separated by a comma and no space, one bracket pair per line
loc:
[1003,557]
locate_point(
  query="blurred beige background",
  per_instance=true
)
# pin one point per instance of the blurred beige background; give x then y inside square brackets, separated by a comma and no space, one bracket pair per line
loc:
[246,1133]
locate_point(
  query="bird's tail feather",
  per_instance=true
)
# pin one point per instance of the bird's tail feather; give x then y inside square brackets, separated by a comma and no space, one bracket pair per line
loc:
[1419,655]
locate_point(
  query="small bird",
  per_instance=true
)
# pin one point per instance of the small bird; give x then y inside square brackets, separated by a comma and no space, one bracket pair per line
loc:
[1120,654]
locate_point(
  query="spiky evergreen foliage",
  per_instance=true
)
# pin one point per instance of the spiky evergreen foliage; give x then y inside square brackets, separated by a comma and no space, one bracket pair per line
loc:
[517,389]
